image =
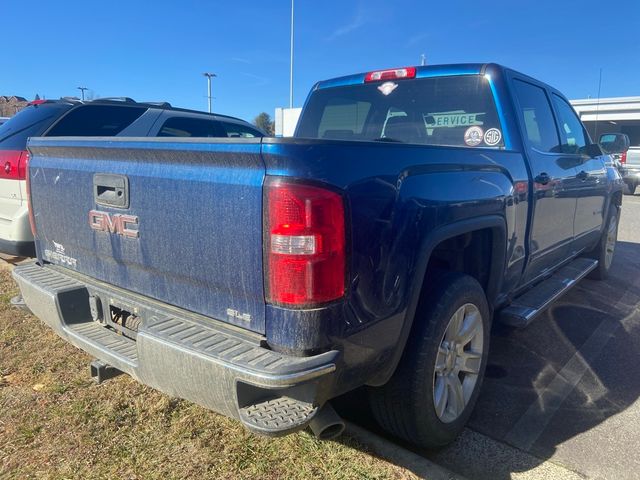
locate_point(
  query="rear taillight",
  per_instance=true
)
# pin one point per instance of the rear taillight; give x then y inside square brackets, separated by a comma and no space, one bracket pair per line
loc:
[623,157]
[305,244]
[32,219]
[12,164]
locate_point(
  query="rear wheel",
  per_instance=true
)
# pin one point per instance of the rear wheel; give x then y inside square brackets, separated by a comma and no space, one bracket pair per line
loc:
[606,247]
[435,387]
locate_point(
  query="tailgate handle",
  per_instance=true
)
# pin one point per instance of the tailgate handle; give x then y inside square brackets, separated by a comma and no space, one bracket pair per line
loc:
[111,190]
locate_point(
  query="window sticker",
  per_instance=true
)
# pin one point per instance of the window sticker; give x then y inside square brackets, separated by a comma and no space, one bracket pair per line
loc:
[473,136]
[457,118]
[492,137]
[387,87]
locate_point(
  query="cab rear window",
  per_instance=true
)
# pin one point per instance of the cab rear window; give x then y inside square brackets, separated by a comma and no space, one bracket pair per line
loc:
[454,111]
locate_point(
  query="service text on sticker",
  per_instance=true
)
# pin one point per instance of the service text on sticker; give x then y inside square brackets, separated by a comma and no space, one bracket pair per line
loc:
[452,119]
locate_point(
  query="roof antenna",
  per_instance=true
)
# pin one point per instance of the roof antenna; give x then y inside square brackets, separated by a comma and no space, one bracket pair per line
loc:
[423,59]
[595,134]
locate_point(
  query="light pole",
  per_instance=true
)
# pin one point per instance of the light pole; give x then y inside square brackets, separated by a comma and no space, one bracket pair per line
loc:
[291,63]
[82,89]
[209,76]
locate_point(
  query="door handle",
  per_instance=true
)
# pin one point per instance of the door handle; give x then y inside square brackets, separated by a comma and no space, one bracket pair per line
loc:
[542,178]
[111,190]
[583,175]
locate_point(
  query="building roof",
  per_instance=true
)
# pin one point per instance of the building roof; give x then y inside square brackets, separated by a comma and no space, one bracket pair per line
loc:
[608,109]
[12,98]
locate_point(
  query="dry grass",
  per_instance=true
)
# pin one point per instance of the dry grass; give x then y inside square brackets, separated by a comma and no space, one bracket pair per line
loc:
[56,423]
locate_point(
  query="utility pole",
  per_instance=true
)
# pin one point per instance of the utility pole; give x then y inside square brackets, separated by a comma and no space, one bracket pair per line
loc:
[291,63]
[598,105]
[82,89]
[209,77]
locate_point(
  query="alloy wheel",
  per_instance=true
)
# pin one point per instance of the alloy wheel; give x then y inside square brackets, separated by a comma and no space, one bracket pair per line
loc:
[458,363]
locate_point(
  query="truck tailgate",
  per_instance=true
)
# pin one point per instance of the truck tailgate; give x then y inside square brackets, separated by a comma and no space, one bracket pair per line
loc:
[633,158]
[196,206]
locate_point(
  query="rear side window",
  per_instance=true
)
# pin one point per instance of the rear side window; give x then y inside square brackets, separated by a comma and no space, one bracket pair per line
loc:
[30,122]
[537,117]
[238,130]
[455,110]
[191,127]
[96,121]
[571,131]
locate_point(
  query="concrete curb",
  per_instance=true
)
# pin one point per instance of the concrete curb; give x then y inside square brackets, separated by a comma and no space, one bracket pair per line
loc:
[400,456]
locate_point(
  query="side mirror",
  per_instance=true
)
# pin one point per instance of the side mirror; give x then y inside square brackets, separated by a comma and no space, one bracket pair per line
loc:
[614,142]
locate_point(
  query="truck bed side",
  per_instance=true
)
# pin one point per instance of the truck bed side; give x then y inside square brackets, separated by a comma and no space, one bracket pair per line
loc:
[403,201]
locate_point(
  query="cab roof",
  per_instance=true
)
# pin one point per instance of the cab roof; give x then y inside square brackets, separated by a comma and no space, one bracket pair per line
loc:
[425,71]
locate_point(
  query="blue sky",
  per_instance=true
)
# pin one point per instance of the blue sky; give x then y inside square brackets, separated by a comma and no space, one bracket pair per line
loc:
[158,50]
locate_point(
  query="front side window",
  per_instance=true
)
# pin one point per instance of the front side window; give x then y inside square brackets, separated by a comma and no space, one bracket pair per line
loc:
[456,111]
[191,127]
[571,131]
[537,117]
[238,130]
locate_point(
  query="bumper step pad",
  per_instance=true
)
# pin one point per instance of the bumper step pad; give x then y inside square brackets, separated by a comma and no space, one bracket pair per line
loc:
[277,415]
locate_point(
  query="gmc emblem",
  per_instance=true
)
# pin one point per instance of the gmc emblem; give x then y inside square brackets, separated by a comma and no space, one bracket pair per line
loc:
[125,225]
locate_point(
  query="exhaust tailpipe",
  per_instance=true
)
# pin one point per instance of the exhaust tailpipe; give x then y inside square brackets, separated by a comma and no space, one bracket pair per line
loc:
[327,424]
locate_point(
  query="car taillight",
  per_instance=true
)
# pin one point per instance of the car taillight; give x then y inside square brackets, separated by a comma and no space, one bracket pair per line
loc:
[12,164]
[305,244]
[391,74]
[623,157]
[32,219]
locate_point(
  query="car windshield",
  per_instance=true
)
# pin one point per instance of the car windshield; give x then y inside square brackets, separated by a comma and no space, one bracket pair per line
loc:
[29,122]
[454,110]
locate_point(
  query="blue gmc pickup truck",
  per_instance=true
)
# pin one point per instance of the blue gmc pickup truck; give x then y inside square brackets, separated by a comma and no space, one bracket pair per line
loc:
[261,278]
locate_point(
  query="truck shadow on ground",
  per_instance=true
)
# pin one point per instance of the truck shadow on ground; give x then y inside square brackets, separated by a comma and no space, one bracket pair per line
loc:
[546,384]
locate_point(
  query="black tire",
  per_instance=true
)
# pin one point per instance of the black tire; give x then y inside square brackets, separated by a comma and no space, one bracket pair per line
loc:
[601,272]
[629,188]
[405,406]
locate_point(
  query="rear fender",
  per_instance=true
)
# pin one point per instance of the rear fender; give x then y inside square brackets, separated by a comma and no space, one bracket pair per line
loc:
[498,256]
